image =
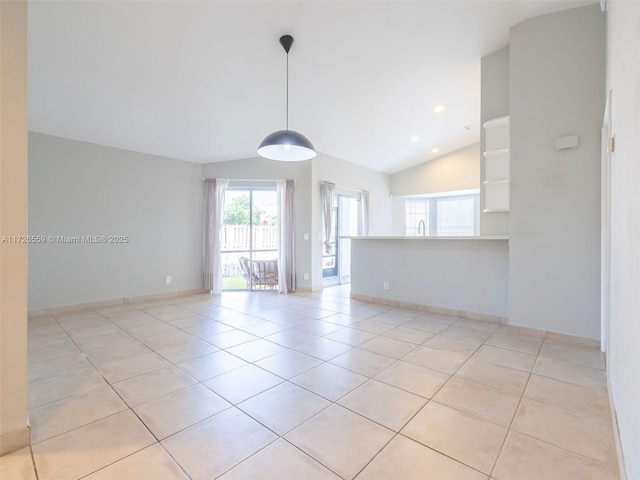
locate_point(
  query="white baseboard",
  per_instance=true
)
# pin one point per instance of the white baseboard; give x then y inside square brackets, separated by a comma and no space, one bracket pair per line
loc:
[431,308]
[15,440]
[113,302]
[616,431]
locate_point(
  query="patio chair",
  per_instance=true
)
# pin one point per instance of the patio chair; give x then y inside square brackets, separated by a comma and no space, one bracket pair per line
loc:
[260,274]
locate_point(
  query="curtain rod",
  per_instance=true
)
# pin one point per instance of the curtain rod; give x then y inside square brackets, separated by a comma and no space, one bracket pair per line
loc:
[346,188]
[246,179]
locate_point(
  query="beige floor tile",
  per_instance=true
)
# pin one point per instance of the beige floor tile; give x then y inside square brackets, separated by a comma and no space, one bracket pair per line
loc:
[363,362]
[289,363]
[153,328]
[443,342]
[588,436]
[582,400]
[478,325]
[242,383]
[583,376]
[91,342]
[168,312]
[351,336]
[151,463]
[412,335]
[256,350]
[323,348]
[208,366]
[186,351]
[264,328]
[496,406]
[405,459]
[91,447]
[283,407]
[151,385]
[76,320]
[282,461]
[384,404]
[208,330]
[74,383]
[51,350]
[230,338]
[17,465]
[444,361]
[388,346]
[506,358]
[104,355]
[373,326]
[587,357]
[525,458]
[466,333]
[329,381]
[341,318]
[465,438]
[174,412]
[341,440]
[430,324]
[496,376]
[119,370]
[318,328]
[513,341]
[291,338]
[168,339]
[57,366]
[413,378]
[213,446]
[63,415]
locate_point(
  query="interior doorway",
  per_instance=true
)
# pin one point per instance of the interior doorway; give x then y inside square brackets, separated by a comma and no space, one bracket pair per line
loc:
[336,257]
[249,238]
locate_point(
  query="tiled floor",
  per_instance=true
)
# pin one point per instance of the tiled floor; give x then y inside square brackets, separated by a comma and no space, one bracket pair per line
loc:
[303,387]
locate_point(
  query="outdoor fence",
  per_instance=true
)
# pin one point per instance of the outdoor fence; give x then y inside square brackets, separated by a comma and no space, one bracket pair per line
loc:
[236,243]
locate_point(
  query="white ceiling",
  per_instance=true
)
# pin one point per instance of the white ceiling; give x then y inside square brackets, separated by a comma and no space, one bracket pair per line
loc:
[204,81]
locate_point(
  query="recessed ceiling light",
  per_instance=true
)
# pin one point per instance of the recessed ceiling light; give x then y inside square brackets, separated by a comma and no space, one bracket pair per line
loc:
[435,150]
[415,138]
[438,109]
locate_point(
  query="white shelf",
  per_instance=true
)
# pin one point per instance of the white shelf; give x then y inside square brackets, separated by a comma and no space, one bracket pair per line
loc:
[496,181]
[496,165]
[495,210]
[496,122]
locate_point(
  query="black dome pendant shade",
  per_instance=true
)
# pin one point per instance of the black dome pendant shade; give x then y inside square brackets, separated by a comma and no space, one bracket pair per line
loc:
[286,145]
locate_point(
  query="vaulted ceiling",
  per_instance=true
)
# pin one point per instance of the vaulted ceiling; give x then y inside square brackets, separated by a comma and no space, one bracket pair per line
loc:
[204,81]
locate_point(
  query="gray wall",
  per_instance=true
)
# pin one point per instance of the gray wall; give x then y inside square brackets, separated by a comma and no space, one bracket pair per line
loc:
[469,275]
[262,169]
[78,188]
[623,45]
[494,103]
[556,88]
[458,170]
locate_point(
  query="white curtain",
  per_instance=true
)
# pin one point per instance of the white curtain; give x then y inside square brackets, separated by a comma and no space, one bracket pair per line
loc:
[287,244]
[326,203]
[214,189]
[364,213]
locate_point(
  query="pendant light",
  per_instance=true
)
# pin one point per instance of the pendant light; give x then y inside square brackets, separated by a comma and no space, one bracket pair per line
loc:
[286,145]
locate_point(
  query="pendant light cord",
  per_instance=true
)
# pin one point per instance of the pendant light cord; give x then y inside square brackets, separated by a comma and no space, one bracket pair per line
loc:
[287,122]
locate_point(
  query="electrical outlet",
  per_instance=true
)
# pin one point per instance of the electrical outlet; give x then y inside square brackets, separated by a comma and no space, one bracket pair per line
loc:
[305,276]
[167,280]
[385,284]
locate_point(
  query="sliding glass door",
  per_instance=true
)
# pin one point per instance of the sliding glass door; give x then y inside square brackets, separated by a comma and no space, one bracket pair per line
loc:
[249,238]
[336,260]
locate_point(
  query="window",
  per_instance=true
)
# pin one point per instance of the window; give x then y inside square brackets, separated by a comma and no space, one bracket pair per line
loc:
[442,215]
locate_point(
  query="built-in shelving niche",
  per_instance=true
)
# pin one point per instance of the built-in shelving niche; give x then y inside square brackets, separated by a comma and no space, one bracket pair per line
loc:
[496,165]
